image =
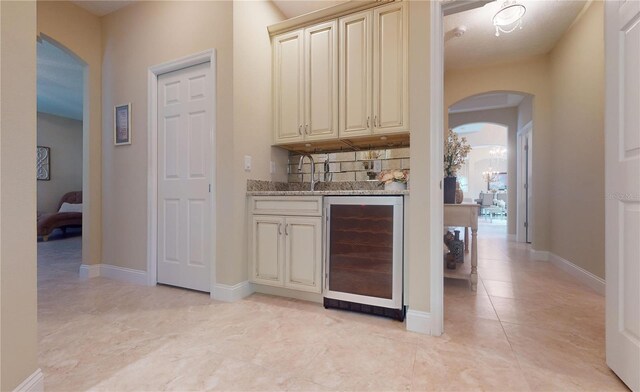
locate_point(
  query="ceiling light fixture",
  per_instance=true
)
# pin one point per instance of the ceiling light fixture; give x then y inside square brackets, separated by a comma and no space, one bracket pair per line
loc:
[509,17]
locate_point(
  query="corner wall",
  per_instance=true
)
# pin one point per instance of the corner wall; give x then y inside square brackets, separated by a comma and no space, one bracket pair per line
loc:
[64,137]
[252,118]
[78,31]
[576,193]
[133,39]
[18,294]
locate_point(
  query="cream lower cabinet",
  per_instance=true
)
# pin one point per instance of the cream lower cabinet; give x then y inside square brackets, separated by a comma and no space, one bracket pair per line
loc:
[286,251]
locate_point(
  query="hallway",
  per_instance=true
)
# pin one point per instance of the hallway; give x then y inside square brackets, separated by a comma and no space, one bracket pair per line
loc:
[529,327]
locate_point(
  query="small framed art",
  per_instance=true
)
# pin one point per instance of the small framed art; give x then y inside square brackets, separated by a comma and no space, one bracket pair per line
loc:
[122,124]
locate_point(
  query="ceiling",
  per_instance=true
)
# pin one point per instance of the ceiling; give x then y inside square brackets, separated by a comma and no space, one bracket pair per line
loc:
[102,8]
[543,25]
[293,8]
[59,82]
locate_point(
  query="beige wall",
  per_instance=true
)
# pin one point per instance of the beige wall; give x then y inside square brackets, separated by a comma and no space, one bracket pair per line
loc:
[64,138]
[508,117]
[576,195]
[18,302]
[78,31]
[527,76]
[252,110]
[418,268]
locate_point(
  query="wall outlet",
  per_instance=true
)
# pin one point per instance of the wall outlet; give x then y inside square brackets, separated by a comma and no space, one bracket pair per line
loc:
[272,168]
[247,163]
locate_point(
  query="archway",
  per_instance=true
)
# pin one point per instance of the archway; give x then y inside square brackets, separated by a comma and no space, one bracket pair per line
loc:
[77,63]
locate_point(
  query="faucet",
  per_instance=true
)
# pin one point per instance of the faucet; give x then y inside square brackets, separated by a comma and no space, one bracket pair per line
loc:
[313,169]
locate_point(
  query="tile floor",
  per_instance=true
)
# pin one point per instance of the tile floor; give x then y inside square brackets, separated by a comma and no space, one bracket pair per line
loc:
[530,326]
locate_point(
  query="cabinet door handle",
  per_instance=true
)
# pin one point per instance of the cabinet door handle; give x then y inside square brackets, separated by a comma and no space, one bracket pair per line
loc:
[279,228]
[286,229]
[306,128]
[300,129]
[368,117]
[375,121]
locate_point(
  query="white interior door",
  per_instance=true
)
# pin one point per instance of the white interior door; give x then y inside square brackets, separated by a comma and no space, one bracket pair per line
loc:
[184,171]
[622,186]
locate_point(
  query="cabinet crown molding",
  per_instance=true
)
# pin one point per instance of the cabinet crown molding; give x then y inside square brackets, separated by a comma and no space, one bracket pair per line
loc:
[324,15]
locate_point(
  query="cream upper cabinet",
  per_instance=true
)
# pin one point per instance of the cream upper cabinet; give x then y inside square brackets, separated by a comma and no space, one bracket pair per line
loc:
[390,69]
[374,72]
[305,64]
[321,81]
[356,74]
[288,87]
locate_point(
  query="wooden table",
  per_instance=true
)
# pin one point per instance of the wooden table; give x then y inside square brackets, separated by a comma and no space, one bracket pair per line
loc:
[464,215]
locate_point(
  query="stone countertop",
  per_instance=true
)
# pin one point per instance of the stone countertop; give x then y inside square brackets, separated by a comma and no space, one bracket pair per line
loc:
[343,192]
[356,188]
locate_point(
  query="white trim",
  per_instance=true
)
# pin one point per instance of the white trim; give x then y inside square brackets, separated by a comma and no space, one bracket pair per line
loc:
[113,272]
[152,161]
[436,208]
[231,293]
[33,383]
[88,271]
[540,255]
[420,322]
[123,274]
[584,276]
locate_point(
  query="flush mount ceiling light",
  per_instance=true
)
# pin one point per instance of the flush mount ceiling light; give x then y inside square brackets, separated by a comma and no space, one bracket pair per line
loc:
[509,17]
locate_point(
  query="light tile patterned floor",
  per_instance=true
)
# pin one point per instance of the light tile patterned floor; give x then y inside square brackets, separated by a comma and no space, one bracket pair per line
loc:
[530,326]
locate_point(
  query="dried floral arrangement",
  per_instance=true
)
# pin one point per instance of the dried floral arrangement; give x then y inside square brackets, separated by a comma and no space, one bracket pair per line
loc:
[389,176]
[455,153]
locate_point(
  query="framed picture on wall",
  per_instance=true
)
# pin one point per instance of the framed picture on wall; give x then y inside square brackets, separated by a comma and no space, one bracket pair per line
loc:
[122,124]
[43,163]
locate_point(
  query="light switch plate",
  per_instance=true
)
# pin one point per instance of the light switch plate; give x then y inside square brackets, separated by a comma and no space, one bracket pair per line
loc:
[247,163]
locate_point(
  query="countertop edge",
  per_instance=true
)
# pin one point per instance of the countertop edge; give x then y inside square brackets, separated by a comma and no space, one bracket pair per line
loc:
[363,192]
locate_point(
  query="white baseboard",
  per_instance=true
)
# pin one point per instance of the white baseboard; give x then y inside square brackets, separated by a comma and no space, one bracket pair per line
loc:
[231,293]
[113,272]
[88,271]
[541,255]
[584,276]
[33,383]
[419,322]
[123,274]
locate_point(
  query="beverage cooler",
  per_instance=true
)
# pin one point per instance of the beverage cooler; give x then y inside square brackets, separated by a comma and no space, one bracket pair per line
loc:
[364,255]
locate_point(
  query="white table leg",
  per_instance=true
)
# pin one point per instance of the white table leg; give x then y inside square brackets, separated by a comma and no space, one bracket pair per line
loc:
[466,240]
[474,259]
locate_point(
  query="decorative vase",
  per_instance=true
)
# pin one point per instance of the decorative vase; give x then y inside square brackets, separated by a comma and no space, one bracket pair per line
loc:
[449,190]
[459,194]
[456,247]
[395,186]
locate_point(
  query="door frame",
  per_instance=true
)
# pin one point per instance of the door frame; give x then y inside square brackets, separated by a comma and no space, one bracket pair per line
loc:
[152,159]
[521,211]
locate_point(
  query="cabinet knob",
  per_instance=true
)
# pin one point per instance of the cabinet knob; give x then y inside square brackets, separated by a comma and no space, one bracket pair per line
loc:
[300,129]
[286,229]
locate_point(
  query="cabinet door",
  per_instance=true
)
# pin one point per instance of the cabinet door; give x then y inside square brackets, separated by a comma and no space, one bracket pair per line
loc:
[267,250]
[390,69]
[321,81]
[288,87]
[303,239]
[356,74]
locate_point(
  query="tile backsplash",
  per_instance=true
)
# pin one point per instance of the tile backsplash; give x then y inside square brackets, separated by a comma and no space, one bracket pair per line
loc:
[348,166]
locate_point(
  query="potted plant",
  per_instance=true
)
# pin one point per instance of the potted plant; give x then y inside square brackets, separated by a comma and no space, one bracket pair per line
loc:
[455,153]
[394,180]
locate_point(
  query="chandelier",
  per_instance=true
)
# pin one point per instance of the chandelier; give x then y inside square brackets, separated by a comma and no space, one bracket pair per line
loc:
[509,17]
